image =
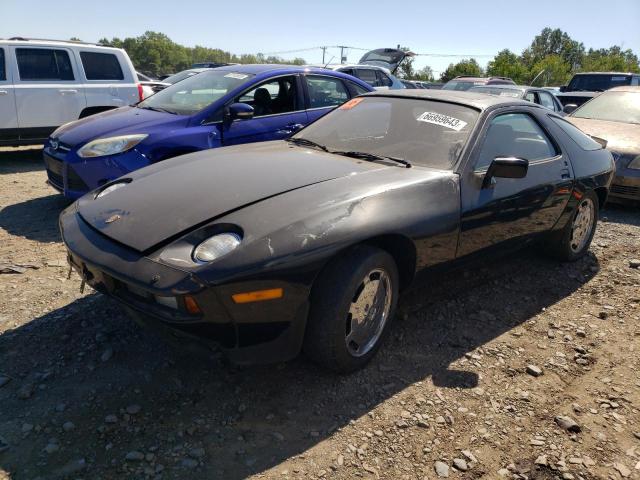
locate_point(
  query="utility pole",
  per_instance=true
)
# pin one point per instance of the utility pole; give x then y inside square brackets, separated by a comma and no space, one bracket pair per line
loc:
[324,49]
[342,57]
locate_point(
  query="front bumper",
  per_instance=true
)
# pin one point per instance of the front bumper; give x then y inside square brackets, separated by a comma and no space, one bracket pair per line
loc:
[74,176]
[268,331]
[625,186]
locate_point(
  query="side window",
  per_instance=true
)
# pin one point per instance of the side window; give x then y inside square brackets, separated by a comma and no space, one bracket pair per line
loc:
[3,72]
[367,75]
[348,71]
[530,97]
[272,97]
[357,89]
[326,92]
[101,66]
[635,81]
[383,79]
[583,140]
[43,64]
[515,135]
[546,100]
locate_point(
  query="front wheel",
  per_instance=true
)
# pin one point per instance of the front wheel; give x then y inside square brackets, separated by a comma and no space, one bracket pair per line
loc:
[352,304]
[573,241]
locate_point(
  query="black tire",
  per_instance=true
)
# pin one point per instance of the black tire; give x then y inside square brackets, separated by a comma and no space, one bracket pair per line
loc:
[337,286]
[559,244]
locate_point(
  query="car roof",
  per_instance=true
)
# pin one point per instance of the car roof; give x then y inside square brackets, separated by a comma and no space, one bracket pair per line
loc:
[507,87]
[258,68]
[604,73]
[625,88]
[479,101]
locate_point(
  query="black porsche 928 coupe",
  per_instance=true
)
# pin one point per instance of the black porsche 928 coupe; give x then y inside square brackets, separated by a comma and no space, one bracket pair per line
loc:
[270,249]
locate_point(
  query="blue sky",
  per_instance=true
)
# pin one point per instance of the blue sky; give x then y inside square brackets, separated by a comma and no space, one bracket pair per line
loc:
[442,27]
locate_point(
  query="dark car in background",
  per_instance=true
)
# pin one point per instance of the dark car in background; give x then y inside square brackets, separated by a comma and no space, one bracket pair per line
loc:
[584,86]
[463,83]
[615,117]
[305,244]
[531,94]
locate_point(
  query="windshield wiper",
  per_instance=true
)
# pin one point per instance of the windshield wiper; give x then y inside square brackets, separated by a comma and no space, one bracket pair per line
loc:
[372,157]
[157,109]
[306,142]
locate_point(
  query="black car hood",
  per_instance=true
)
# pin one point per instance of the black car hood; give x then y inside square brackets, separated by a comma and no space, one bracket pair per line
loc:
[176,195]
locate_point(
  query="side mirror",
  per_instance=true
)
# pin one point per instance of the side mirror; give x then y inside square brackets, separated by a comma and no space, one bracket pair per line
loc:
[505,167]
[563,88]
[240,111]
[569,108]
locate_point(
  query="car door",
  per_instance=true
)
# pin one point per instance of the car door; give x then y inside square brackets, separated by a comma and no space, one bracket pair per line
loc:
[48,92]
[323,93]
[8,116]
[512,209]
[279,111]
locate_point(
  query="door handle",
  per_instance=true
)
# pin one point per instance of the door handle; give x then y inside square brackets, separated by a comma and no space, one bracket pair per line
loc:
[290,128]
[70,90]
[565,173]
[3,92]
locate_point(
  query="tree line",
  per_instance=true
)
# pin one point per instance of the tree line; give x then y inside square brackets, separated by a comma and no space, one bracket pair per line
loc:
[551,59]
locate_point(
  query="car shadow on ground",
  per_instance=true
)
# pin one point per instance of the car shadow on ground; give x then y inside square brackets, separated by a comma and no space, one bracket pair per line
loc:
[20,159]
[247,420]
[35,219]
[617,213]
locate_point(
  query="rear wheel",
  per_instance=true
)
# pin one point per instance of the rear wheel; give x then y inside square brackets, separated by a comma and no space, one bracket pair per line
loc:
[573,241]
[352,304]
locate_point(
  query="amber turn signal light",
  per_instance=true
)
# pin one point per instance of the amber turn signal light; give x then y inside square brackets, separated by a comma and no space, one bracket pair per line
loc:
[258,295]
[191,305]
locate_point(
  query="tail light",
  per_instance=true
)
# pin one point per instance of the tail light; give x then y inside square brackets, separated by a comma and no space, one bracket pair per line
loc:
[140,92]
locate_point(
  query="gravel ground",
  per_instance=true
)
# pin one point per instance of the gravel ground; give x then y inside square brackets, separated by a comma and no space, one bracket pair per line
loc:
[519,368]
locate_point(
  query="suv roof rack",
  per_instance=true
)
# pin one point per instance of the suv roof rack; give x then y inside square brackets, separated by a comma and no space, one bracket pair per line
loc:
[77,42]
[500,78]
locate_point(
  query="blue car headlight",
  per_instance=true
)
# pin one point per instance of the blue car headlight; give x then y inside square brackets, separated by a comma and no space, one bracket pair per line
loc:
[110,146]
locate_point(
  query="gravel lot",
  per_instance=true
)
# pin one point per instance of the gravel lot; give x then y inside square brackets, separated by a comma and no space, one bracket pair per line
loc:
[475,381]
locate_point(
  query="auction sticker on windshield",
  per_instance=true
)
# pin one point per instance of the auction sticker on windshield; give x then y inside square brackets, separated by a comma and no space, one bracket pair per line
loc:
[442,120]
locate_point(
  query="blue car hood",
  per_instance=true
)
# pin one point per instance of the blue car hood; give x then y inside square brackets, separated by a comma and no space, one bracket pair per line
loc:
[120,121]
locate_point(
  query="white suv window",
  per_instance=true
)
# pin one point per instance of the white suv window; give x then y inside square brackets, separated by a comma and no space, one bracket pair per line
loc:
[3,73]
[101,66]
[43,64]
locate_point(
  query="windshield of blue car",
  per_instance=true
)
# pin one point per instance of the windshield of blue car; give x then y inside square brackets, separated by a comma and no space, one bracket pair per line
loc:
[612,106]
[502,92]
[195,93]
[597,82]
[422,132]
[178,77]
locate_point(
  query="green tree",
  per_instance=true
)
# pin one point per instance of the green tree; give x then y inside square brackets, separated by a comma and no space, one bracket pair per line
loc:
[468,67]
[612,59]
[508,64]
[405,69]
[554,42]
[555,71]
[425,74]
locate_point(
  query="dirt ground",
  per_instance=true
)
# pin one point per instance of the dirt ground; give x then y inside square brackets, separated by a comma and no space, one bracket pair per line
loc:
[469,384]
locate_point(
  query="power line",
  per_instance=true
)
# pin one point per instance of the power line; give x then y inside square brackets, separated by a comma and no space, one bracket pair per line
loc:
[345,47]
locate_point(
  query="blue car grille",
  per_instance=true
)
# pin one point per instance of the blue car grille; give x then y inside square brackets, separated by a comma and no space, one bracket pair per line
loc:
[54,171]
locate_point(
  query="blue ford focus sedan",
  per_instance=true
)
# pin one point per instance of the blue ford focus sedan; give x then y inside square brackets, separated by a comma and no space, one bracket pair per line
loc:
[224,106]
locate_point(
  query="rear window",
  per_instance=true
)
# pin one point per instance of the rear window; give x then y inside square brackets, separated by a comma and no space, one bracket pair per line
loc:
[598,82]
[3,74]
[101,66]
[583,140]
[43,64]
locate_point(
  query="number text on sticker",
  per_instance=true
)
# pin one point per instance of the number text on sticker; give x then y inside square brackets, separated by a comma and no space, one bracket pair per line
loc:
[442,120]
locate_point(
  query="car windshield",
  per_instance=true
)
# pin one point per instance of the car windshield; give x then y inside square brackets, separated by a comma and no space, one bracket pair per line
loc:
[421,132]
[613,106]
[594,83]
[503,92]
[460,85]
[195,93]
[178,77]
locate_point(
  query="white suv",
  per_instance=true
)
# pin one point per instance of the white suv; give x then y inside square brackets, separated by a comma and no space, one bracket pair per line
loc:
[45,83]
